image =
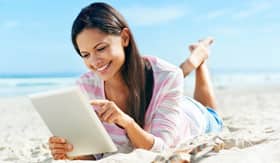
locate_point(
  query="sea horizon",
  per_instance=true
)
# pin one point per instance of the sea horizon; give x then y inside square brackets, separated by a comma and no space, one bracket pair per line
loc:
[215,71]
[22,84]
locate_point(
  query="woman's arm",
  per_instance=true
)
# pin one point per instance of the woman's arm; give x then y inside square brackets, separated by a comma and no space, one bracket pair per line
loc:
[109,112]
[164,125]
[165,118]
[138,137]
[84,157]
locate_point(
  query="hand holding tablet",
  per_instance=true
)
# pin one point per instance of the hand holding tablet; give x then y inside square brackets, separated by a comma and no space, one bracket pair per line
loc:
[69,115]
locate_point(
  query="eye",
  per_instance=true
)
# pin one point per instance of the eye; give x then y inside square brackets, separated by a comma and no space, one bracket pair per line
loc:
[101,48]
[84,55]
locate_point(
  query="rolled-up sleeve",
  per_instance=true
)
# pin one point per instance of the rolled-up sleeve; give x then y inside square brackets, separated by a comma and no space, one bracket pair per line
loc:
[165,124]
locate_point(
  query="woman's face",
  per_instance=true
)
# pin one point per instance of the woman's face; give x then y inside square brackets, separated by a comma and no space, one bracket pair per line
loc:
[102,53]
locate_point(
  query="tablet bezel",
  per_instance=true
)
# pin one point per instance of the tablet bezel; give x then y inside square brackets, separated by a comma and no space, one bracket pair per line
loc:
[68,114]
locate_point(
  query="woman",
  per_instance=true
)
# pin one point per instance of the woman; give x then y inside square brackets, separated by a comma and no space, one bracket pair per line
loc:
[139,99]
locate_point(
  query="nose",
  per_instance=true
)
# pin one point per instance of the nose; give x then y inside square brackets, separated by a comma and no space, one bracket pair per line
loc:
[95,61]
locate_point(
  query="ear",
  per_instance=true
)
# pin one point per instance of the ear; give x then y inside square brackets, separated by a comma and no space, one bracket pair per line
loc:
[125,35]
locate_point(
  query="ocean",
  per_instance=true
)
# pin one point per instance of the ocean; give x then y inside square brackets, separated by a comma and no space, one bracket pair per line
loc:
[22,85]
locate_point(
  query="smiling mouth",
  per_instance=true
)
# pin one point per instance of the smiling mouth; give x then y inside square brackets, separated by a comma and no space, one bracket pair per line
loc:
[103,68]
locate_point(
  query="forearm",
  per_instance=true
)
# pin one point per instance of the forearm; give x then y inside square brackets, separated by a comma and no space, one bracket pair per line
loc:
[139,137]
[84,157]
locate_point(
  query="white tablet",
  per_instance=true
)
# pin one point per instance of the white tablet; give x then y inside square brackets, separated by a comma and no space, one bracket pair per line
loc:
[68,114]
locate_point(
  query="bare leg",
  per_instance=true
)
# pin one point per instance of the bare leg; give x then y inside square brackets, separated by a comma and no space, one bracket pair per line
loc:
[187,67]
[203,92]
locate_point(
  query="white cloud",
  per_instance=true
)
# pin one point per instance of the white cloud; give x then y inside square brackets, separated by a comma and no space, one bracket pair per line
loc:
[236,31]
[217,13]
[253,9]
[10,24]
[144,16]
[212,15]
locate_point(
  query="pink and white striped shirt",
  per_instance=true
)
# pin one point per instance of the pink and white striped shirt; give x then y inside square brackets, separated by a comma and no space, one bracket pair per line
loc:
[169,117]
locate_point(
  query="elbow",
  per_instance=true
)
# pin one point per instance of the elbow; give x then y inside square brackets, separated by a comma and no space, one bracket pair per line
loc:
[145,144]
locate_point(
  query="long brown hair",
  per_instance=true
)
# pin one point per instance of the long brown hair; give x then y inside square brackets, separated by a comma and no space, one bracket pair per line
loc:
[105,18]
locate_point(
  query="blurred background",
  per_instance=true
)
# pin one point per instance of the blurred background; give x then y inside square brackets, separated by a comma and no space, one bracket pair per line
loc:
[37,54]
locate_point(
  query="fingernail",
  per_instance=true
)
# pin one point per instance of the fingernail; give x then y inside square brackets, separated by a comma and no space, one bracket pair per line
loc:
[70,146]
[62,140]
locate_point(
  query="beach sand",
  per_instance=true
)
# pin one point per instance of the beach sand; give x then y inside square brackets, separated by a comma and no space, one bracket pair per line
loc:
[251,134]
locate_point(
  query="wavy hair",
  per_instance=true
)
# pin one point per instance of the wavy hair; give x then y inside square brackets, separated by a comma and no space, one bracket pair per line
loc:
[105,18]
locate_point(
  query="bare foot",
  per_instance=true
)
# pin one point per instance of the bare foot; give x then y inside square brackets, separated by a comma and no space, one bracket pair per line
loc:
[199,53]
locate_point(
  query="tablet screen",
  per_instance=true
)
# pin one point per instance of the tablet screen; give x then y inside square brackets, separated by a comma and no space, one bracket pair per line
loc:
[68,114]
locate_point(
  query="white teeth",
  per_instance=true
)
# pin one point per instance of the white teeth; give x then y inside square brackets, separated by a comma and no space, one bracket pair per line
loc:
[103,67]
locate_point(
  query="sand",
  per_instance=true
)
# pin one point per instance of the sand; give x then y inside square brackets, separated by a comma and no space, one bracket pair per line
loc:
[251,134]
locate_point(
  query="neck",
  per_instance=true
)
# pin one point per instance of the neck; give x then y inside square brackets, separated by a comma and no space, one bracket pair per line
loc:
[116,82]
[116,90]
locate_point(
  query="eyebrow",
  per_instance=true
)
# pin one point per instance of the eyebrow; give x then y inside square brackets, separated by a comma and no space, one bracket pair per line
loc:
[93,47]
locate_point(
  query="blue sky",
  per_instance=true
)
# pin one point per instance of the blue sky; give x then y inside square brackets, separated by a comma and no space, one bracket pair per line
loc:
[35,35]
